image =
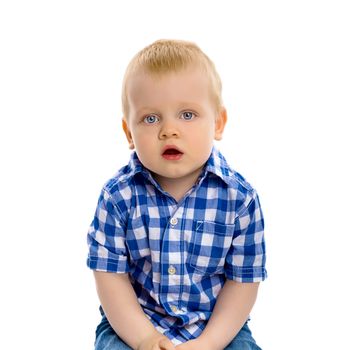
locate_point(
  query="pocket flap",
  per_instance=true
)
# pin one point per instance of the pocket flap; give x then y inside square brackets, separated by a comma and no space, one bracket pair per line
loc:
[214,227]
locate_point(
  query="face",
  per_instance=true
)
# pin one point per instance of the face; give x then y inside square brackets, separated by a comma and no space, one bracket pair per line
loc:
[172,123]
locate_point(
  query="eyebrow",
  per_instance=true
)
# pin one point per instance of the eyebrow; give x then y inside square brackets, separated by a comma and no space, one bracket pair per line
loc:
[190,104]
[181,105]
[145,109]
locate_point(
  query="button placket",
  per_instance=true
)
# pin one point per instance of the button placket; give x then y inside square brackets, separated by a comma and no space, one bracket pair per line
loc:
[170,273]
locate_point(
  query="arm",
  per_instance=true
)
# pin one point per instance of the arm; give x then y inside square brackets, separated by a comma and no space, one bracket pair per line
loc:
[232,309]
[125,314]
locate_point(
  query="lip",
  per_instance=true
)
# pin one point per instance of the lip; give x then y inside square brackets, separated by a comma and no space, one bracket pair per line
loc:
[172,156]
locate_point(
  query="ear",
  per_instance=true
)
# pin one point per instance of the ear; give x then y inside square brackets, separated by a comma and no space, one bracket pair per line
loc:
[127,133]
[220,123]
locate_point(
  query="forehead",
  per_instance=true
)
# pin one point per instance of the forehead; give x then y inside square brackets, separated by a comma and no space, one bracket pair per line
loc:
[188,85]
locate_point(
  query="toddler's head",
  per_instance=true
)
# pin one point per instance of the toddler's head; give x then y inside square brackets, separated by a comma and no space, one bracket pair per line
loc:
[172,110]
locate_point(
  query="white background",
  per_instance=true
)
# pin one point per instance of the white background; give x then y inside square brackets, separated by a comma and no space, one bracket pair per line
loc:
[292,86]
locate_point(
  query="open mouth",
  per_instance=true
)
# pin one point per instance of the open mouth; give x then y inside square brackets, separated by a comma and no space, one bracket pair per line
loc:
[172,154]
[172,151]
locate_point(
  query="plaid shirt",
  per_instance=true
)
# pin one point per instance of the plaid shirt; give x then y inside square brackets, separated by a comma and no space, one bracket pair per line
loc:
[178,255]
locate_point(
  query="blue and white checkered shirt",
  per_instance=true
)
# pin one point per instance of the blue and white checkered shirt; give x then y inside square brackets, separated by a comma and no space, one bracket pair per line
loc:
[179,254]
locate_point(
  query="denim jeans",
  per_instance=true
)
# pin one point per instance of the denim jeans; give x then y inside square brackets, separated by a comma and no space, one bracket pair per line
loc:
[107,339]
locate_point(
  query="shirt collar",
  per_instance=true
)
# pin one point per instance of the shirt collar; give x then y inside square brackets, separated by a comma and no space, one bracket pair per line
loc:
[216,164]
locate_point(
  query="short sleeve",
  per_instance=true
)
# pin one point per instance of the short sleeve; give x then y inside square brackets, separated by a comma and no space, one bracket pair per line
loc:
[106,238]
[245,261]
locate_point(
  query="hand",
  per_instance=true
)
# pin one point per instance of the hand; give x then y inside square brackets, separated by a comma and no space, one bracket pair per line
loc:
[194,344]
[156,341]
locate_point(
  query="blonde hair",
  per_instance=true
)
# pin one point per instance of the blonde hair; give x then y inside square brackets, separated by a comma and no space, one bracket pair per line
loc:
[165,56]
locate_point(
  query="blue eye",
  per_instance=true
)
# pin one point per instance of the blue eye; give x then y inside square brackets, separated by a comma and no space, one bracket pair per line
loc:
[188,115]
[151,119]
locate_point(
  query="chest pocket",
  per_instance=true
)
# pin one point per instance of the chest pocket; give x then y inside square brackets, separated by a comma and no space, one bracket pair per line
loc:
[209,245]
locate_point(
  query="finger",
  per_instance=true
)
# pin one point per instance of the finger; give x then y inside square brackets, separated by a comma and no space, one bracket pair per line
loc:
[166,344]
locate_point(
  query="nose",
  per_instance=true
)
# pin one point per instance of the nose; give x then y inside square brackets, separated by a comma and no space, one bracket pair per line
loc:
[168,130]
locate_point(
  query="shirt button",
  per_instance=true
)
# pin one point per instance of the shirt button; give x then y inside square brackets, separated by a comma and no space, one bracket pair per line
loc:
[174,308]
[173,221]
[171,270]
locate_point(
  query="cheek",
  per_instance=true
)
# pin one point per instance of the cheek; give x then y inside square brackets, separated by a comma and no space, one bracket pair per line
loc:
[143,138]
[206,134]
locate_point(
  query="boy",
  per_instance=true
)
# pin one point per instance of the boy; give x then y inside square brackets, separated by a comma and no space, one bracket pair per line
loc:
[176,244]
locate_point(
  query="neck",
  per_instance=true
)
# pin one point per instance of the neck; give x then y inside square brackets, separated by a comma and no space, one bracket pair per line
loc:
[178,187]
